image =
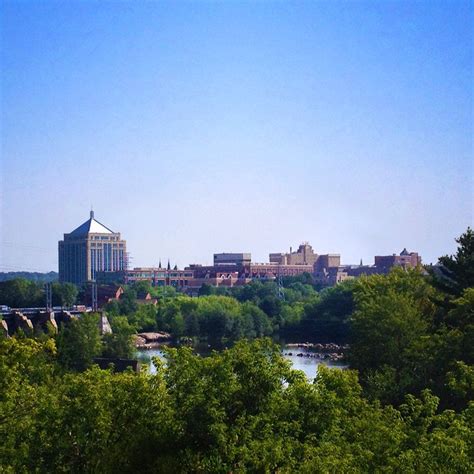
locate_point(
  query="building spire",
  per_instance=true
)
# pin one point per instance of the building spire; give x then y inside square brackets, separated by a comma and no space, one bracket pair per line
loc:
[92,212]
[169,265]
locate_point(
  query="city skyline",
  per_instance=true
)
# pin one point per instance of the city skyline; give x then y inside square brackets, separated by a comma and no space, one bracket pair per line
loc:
[93,252]
[92,231]
[199,128]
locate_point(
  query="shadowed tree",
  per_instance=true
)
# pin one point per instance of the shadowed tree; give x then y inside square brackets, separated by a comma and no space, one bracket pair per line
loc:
[64,294]
[455,273]
[79,342]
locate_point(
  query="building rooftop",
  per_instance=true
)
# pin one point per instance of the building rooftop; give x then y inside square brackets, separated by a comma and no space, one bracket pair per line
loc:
[91,226]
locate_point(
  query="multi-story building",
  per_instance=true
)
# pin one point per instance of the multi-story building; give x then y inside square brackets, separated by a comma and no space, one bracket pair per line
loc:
[218,279]
[382,265]
[330,276]
[405,259]
[237,259]
[89,249]
[329,260]
[271,271]
[158,276]
[305,255]
[224,263]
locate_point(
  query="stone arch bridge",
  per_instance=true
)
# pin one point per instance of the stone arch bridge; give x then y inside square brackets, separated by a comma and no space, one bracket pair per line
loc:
[29,319]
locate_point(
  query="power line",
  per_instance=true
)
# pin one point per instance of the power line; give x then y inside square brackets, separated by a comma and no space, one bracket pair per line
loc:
[12,268]
[16,244]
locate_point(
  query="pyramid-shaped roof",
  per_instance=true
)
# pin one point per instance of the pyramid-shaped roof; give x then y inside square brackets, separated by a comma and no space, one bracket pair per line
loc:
[91,226]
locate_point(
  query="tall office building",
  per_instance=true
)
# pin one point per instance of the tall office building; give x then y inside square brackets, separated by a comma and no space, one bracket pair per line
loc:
[90,248]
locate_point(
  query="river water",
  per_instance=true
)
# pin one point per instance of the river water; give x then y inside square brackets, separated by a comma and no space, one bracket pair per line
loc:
[305,361]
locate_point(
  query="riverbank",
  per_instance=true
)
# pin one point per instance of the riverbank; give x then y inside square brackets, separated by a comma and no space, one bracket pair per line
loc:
[151,340]
[323,352]
[303,358]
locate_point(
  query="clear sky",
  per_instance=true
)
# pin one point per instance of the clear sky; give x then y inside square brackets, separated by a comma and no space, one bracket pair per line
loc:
[205,127]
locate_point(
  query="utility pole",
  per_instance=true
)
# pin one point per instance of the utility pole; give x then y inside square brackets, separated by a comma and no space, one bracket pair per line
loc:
[281,293]
[48,291]
[94,296]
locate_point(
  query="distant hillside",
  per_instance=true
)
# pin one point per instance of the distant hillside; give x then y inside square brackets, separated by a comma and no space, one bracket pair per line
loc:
[33,276]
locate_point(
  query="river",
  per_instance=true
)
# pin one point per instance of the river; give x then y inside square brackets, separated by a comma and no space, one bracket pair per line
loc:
[305,361]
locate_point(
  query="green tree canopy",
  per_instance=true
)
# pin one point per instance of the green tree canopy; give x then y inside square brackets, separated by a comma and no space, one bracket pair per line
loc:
[79,342]
[21,293]
[239,410]
[455,273]
[64,294]
[119,344]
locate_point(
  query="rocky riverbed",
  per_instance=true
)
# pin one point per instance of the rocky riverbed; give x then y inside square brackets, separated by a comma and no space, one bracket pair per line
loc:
[323,352]
[151,340]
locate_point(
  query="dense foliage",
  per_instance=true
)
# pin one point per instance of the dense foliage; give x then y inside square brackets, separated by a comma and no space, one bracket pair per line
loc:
[407,334]
[23,293]
[33,276]
[79,342]
[241,410]
[223,315]
[455,273]
[408,406]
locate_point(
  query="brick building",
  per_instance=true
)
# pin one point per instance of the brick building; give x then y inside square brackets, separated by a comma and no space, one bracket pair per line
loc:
[237,259]
[270,271]
[158,276]
[327,275]
[405,259]
[305,255]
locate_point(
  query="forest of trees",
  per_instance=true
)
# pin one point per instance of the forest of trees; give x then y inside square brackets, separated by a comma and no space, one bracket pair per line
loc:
[405,404]
[33,276]
[24,293]
[224,315]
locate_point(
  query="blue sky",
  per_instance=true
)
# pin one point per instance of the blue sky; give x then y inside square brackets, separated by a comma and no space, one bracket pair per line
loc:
[202,127]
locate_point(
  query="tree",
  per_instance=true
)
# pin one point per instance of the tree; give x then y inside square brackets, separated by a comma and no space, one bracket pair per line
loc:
[206,290]
[144,318]
[79,342]
[143,286]
[64,294]
[326,318]
[299,292]
[21,293]
[176,325]
[191,325]
[128,301]
[260,323]
[119,344]
[453,353]
[390,333]
[305,279]
[461,316]
[455,273]
[271,305]
[240,410]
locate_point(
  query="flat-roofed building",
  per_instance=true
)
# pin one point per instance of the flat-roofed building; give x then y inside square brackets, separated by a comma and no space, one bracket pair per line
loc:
[237,259]
[271,271]
[158,276]
[329,260]
[405,259]
[305,255]
[90,248]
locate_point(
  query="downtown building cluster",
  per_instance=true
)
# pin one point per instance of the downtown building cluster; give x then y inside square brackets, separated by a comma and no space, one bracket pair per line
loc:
[93,252]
